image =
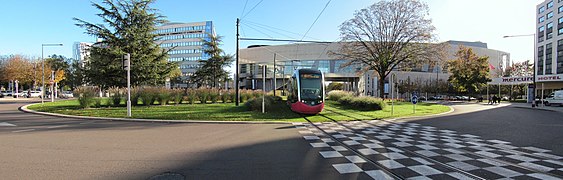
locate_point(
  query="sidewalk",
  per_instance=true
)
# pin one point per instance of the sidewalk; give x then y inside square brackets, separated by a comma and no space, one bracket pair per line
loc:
[541,107]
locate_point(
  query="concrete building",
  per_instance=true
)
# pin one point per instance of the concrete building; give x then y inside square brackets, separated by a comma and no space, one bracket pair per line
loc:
[81,51]
[317,56]
[549,44]
[184,40]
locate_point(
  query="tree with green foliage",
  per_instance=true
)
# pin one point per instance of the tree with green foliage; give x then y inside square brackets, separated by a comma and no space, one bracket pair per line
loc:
[468,71]
[130,26]
[212,72]
[386,35]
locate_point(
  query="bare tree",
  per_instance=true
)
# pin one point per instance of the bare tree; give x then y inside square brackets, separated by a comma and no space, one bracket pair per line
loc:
[386,35]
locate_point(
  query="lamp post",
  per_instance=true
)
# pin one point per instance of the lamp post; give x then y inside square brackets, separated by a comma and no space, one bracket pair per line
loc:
[43,75]
[534,58]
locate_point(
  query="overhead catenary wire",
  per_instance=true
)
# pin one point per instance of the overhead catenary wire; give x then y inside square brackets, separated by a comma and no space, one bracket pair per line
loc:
[326,5]
[244,8]
[279,29]
[251,9]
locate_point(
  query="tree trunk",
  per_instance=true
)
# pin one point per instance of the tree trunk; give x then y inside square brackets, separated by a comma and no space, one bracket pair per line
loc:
[382,86]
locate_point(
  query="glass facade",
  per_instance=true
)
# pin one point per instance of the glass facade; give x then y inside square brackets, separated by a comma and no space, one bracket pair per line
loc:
[540,61]
[185,43]
[548,58]
[560,56]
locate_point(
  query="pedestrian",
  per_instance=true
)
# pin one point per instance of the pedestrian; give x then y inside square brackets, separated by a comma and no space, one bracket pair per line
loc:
[28,93]
[495,98]
[490,100]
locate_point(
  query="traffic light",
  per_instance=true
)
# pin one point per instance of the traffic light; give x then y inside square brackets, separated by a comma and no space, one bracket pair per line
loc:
[126,61]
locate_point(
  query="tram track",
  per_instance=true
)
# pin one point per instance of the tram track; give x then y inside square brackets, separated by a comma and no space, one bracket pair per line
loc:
[441,146]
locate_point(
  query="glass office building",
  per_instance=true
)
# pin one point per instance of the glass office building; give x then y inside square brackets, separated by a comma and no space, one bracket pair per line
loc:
[185,44]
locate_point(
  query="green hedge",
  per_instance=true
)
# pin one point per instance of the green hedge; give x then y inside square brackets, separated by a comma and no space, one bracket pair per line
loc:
[364,103]
[336,95]
[270,102]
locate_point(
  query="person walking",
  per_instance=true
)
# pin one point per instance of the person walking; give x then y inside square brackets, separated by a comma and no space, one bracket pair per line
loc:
[495,98]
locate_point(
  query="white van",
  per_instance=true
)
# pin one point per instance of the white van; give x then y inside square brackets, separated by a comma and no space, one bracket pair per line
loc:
[555,98]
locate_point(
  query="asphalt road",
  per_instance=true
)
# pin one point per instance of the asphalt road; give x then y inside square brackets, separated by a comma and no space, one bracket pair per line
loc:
[45,147]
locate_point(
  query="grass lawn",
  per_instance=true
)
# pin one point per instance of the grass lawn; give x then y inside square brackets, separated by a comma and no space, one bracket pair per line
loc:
[229,112]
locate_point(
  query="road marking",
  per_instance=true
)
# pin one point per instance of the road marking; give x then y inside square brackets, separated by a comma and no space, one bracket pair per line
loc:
[7,124]
[51,127]
[25,130]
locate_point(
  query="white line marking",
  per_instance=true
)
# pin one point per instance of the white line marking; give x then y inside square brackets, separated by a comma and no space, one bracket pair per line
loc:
[6,124]
[25,130]
[52,127]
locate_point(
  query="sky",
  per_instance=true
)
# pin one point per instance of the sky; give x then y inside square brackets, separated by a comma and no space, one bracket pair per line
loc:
[26,24]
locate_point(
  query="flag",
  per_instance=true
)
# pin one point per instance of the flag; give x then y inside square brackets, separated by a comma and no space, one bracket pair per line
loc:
[491,66]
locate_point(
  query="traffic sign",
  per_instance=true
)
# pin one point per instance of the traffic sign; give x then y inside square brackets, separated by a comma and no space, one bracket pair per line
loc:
[414,99]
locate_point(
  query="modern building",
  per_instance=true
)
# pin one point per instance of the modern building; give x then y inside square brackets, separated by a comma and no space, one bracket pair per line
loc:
[317,56]
[81,51]
[549,44]
[184,42]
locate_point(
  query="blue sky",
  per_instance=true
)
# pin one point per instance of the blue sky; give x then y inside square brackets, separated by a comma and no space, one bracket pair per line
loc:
[28,24]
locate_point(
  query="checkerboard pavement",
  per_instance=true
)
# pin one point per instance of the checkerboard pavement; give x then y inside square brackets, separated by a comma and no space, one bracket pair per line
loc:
[414,151]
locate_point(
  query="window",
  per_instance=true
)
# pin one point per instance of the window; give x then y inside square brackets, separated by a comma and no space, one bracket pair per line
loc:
[540,61]
[549,14]
[541,10]
[560,57]
[549,4]
[541,19]
[560,9]
[548,59]
[549,30]
[541,33]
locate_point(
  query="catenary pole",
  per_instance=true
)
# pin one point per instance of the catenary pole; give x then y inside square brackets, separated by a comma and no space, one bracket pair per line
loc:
[237,94]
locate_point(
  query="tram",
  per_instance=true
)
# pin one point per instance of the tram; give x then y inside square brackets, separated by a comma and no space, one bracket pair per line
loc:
[306,91]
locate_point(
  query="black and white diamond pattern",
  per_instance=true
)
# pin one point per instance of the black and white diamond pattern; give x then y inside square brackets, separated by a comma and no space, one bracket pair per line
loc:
[414,151]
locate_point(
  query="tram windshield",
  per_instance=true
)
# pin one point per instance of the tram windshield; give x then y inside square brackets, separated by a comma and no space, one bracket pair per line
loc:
[311,86]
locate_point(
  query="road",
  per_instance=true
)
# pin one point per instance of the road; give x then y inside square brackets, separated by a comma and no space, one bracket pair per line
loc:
[46,147]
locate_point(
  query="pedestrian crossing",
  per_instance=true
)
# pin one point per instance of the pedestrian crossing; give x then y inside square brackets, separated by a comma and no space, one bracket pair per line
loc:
[411,150]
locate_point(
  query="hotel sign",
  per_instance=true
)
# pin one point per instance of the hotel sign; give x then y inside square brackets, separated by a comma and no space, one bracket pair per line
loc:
[512,80]
[549,78]
[526,79]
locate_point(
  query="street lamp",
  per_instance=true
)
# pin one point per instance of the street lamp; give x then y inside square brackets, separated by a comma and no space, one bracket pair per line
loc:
[534,58]
[43,75]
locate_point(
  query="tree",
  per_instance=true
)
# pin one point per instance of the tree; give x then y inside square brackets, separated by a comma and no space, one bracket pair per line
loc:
[131,26]
[75,74]
[468,71]
[386,35]
[212,71]
[59,64]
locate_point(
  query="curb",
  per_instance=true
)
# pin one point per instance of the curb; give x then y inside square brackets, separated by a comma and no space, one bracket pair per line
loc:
[25,109]
[539,109]
[417,117]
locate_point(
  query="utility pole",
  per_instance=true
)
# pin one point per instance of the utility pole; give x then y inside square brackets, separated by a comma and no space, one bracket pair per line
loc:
[275,86]
[236,69]
[127,66]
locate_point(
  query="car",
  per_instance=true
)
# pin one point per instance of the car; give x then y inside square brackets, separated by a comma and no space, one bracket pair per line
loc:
[7,93]
[31,94]
[66,94]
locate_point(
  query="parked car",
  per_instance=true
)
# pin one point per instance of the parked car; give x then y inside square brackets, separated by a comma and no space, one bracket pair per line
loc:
[7,93]
[555,98]
[32,94]
[66,94]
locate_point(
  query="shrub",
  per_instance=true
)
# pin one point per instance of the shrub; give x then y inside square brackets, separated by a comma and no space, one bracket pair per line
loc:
[364,103]
[203,95]
[98,102]
[255,104]
[191,96]
[177,96]
[148,95]
[85,96]
[163,95]
[233,96]
[224,94]
[336,95]
[116,95]
[346,100]
[213,95]
[135,95]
